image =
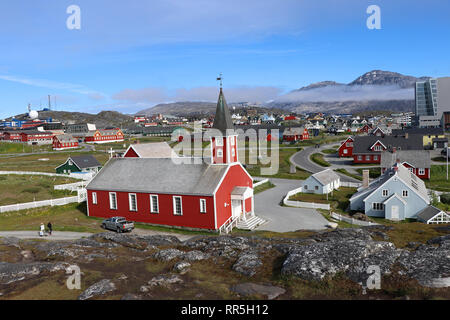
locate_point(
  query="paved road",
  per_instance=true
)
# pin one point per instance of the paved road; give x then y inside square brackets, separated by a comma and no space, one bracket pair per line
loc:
[302,160]
[285,219]
[56,235]
[66,235]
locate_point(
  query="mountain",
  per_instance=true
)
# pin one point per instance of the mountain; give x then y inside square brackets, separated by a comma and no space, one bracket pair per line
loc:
[379,77]
[181,109]
[102,120]
[374,90]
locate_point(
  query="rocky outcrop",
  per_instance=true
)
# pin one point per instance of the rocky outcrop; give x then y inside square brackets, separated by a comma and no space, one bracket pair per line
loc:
[248,264]
[98,289]
[12,272]
[252,289]
[351,257]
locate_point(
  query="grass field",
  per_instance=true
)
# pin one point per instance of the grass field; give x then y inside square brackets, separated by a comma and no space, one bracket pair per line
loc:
[318,159]
[373,172]
[12,147]
[32,162]
[438,179]
[329,151]
[344,171]
[283,166]
[26,188]
[338,199]
[263,187]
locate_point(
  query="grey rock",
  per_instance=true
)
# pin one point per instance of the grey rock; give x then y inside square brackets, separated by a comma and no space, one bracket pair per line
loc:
[352,257]
[98,289]
[247,264]
[12,272]
[439,240]
[10,242]
[249,289]
[343,235]
[160,240]
[429,265]
[122,239]
[168,254]
[195,255]
[181,267]
[165,280]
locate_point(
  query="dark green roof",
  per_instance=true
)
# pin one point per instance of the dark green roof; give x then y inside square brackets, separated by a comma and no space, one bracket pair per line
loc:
[222,119]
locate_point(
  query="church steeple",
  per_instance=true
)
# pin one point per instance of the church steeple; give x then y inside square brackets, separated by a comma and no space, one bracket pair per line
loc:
[224,147]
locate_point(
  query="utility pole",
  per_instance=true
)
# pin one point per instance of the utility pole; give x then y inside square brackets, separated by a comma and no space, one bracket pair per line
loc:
[447,162]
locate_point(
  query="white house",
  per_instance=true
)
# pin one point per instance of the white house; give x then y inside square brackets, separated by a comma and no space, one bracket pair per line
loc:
[322,182]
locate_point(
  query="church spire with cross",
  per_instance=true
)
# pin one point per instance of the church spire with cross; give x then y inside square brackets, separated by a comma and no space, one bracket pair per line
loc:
[224,147]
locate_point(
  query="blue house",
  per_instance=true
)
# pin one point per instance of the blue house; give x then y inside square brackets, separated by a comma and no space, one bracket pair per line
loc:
[398,194]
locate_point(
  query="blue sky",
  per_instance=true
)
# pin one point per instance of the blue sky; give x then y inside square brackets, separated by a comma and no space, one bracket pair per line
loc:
[130,55]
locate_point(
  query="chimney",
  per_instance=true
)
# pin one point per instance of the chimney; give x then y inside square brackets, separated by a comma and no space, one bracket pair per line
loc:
[394,150]
[365,182]
[406,135]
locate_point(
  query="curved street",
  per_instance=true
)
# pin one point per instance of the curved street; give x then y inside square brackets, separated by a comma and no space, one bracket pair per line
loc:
[285,219]
[302,159]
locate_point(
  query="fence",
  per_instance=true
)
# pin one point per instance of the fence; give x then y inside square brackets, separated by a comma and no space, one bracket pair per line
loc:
[71,186]
[351,184]
[260,182]
[357,222]
[37,204]
[301,204]
[75,175]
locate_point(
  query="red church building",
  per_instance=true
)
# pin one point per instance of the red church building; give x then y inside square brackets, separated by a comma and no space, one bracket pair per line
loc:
[295,134]
[178,191]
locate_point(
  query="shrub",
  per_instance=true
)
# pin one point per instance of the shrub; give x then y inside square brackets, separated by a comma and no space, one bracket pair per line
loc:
[445,198]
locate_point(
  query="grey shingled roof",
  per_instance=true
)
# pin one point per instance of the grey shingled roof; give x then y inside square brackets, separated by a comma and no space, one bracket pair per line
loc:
[362,144]
[294,131]
[152,175]
[417,158]
[154,150]
[421,131]
[428,213]
[86,161]
[326,176]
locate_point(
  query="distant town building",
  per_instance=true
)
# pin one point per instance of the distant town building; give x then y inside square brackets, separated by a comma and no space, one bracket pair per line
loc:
[64,142]
[432,99]
[84,164]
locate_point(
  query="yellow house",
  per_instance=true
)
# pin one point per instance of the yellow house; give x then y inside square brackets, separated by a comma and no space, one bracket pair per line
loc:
[428,134]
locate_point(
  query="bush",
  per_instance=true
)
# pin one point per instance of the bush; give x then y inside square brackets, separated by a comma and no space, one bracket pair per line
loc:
[445,198]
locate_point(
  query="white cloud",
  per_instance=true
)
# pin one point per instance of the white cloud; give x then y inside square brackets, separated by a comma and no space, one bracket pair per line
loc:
[349,93]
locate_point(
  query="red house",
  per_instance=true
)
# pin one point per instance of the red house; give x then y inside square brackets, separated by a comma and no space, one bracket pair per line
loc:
[365,128]
[346,148]
[64,142]
[12,136]
[416,161]
[178,192]
[104,136]
[295,134]
[367,149]
[36,137]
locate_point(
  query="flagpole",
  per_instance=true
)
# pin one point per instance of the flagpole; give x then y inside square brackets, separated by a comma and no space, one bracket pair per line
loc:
[447,162]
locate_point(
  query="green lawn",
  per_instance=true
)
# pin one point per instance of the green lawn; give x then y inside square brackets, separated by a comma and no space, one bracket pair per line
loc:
[329,151]
[33,162]
[318,159]
[26,188]
[283,166]
[438,180]
[338,199]
[263,187]
[13,147]
[373,172]
[344,171]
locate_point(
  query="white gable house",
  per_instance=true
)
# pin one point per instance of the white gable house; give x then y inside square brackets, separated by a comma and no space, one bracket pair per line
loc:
[322,182]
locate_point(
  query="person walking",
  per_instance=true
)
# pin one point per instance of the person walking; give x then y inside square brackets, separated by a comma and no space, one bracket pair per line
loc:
[49,226]
[42,229]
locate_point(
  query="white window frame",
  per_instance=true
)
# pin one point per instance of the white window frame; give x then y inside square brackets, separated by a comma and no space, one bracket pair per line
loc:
[219,142]
[175,206]
[359,158]
[232,141]
[151,203]
[94,197]
[219,153]
[202,205]
[111,202]
[421,171]
[405,193]
[385,193]
[130,207]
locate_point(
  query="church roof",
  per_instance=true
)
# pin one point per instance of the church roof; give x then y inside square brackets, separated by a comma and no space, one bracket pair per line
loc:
[222,120]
